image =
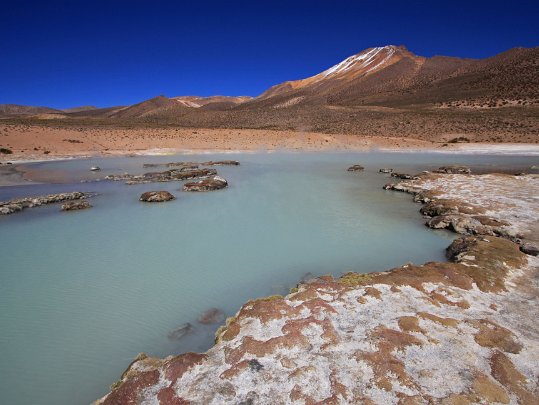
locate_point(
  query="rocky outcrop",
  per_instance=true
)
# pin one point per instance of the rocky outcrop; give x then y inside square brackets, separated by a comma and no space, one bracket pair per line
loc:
[156,196]
[356,168]
[194,165]
[462,331]
[221,163]
[161,177]
[76,205]
[404,176]
[19,204]
[453,170]
[208,184]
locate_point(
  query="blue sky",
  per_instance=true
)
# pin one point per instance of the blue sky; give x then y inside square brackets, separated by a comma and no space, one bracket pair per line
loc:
[70,53]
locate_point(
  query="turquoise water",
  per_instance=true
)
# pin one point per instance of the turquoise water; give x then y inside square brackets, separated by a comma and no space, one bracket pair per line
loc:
[82,293]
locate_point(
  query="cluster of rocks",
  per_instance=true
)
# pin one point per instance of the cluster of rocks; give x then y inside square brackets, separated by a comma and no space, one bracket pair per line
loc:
[205,184]
[76,205]
[194,165]
[162,177]
[18,204]
[478,215]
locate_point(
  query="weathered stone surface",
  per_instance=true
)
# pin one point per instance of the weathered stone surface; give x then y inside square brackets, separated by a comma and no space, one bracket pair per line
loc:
[208,184]
[156,196]
[161,177]
[355,168]
[458,332]
[18,204]
[76,205]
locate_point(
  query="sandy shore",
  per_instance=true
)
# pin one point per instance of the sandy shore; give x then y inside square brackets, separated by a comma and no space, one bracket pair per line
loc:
[47,142]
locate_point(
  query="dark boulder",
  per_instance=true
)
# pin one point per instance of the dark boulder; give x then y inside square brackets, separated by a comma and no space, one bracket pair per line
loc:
[355,168]
[76,205]
[156,196]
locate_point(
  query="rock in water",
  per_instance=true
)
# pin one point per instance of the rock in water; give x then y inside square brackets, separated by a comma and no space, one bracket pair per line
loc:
[209,184]
[76,205]
[453,170]
[355,168]
[95,168]
[156,196]
[386,170]
[212,315]
[180,331]
[221,163]
[404,176]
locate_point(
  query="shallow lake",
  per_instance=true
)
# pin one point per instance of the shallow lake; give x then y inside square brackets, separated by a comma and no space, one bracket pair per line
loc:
[82,293]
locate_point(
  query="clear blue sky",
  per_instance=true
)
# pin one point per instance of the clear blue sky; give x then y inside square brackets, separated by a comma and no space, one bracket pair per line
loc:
[70,53]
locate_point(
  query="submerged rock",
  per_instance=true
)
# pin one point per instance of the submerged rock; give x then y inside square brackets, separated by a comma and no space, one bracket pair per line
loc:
[386,170]
[156,196]
[76,205]
[209,184]
[355,168]
[212,315]
[181,331]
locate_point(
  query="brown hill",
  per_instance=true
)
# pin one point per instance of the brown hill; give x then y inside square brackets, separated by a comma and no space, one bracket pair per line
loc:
[20,110]
[387,91]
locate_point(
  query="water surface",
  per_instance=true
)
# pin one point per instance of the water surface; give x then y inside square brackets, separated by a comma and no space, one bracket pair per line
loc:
[82,293]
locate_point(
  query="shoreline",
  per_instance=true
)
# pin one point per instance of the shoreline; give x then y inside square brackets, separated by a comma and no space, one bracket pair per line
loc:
[35,143]
[387,330]
[16,172]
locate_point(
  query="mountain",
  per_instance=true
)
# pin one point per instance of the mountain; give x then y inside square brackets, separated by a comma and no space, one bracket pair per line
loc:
[21,110]
[392,76]
[220,102]
[80,109]
[381,91]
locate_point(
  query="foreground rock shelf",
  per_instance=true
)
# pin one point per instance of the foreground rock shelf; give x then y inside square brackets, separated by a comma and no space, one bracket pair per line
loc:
[19,204]
[458,332]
